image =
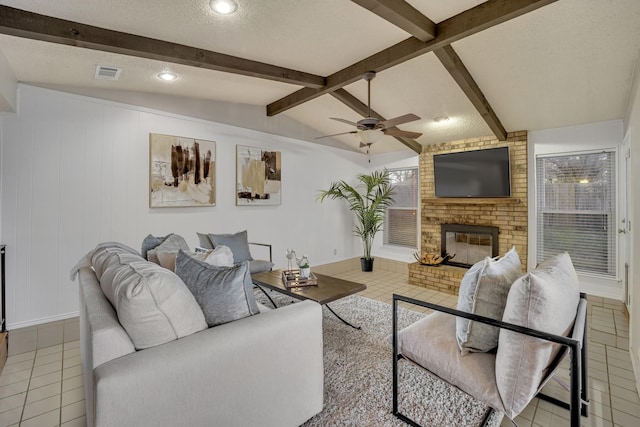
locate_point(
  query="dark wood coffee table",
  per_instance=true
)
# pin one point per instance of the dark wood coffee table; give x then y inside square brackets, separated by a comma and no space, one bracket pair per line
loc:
[327,290]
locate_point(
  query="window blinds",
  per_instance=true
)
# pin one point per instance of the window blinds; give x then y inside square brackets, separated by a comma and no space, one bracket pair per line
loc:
[401,219]
[576,210]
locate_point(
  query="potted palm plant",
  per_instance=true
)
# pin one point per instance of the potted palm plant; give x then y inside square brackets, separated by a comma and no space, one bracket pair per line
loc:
[368,200]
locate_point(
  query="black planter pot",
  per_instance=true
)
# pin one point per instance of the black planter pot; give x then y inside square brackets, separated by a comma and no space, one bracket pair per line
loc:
[366,264]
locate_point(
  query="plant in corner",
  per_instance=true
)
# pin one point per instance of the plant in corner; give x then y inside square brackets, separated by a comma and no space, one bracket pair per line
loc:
[368,200]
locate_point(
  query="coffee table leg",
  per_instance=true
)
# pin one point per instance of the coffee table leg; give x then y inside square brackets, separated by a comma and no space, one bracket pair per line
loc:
[266,294]
[343,321]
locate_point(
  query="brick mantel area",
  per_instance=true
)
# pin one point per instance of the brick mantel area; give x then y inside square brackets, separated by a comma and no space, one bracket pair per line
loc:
[508,214]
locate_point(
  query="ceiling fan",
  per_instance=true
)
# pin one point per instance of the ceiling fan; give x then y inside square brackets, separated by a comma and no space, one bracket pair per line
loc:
[371,129]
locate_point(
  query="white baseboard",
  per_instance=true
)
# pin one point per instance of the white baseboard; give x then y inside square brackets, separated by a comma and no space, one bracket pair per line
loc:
[35,322]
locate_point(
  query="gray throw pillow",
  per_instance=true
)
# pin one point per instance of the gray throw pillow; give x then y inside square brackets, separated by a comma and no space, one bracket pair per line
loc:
[204,241]
[225,294]
[151,242]
[546,299]
[483,291]
[172,243]
[237,242]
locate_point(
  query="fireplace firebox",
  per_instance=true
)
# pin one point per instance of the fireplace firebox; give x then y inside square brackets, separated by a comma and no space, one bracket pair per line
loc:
[469,243]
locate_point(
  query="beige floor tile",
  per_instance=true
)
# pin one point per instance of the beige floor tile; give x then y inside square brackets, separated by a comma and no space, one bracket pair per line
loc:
[46,379]
[50,350]
[30,355]
[44,392]
[71,362]
[22,342]
[623,419]
[73,396]
[15,388]
[52,336]
[77,422]
[12,402]
[72,411]
[72,383]
[41,407]
[71,372]
[72,352]
[47,419]
[9,418]
[71,345]
[47,369]
[14,377]
[47,358]
[17,367]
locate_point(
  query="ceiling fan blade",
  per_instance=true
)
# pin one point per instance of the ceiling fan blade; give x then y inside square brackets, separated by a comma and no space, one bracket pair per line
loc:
[344,121]
[402,133]
[399,120]
[335,134]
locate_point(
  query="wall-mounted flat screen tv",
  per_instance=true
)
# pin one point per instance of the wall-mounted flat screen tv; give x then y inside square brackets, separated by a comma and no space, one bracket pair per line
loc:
[477,173]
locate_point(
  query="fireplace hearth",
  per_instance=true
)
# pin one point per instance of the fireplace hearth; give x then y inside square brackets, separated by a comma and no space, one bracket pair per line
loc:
[469,243]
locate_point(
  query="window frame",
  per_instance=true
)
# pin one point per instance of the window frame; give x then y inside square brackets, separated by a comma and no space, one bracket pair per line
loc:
[385,238]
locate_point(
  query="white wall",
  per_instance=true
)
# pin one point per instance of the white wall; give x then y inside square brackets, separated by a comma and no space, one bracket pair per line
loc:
[75,173]
[632,128]
[593,136]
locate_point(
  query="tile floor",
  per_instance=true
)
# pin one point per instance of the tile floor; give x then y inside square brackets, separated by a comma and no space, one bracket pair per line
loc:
[41,384]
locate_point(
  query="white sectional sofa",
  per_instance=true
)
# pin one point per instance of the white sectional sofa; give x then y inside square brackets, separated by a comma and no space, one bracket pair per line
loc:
[261,370]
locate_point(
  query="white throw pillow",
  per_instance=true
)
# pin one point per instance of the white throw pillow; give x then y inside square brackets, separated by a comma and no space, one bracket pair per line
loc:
[153,305]
[547,300]
[220,257]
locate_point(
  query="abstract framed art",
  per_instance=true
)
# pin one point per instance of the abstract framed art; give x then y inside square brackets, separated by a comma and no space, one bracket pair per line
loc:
[182,171]
[258,176]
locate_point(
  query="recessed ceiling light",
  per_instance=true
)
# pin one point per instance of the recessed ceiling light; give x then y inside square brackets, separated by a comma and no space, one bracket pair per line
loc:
[224,7]
[441,119]
[167,75]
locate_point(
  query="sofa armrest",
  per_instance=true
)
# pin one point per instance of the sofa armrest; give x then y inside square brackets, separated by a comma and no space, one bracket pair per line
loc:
[263,370]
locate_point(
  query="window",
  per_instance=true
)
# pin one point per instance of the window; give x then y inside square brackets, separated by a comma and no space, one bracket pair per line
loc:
[577,210]
[401,220]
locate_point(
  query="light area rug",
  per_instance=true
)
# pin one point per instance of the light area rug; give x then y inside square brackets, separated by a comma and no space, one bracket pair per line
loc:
[358,373]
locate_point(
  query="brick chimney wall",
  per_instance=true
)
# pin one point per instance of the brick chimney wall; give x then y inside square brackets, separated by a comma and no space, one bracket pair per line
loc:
[509,214]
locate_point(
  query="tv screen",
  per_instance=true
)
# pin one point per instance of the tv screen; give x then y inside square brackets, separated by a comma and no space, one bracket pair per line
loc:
[478,173]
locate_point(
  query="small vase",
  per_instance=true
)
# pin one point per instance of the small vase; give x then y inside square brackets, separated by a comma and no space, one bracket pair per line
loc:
[305,273]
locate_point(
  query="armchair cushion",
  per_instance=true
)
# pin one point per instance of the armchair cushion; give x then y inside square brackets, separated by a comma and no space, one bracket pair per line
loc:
[483,291]
[259,265]
[237,242]
[431,343]
[545,299]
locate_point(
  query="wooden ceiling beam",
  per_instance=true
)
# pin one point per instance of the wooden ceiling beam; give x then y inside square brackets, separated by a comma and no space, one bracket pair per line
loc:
[452,62]
[20,23]
[402,15]
[469,22]
[361,108]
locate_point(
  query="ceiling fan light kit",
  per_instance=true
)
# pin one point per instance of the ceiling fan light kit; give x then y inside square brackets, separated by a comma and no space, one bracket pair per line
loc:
[371,129]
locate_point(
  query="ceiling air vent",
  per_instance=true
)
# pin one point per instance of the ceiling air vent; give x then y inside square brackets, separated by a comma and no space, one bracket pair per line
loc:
[107,73]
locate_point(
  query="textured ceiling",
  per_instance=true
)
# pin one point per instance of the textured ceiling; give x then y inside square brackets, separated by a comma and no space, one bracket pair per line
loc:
[567,63]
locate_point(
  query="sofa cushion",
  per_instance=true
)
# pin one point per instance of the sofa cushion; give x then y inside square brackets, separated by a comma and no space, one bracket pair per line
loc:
[483,291]
[224,293]
[220,256]
[237,242]
[545,299]
[104,253]
[153,305]
[172,243]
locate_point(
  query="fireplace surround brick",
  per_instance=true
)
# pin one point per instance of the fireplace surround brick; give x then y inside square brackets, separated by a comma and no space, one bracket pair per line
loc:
[509,214]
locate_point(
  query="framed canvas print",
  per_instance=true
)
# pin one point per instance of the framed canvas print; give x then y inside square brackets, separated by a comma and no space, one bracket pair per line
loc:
[182,171]
[258,176]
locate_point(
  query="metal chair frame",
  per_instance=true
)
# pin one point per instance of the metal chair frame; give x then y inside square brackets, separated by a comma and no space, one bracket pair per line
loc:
[577,348]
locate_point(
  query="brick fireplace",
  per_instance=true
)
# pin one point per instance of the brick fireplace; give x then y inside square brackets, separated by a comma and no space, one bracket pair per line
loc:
[508,215]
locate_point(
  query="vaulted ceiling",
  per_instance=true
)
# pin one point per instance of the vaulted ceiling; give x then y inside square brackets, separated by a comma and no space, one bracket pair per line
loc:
[490,67]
